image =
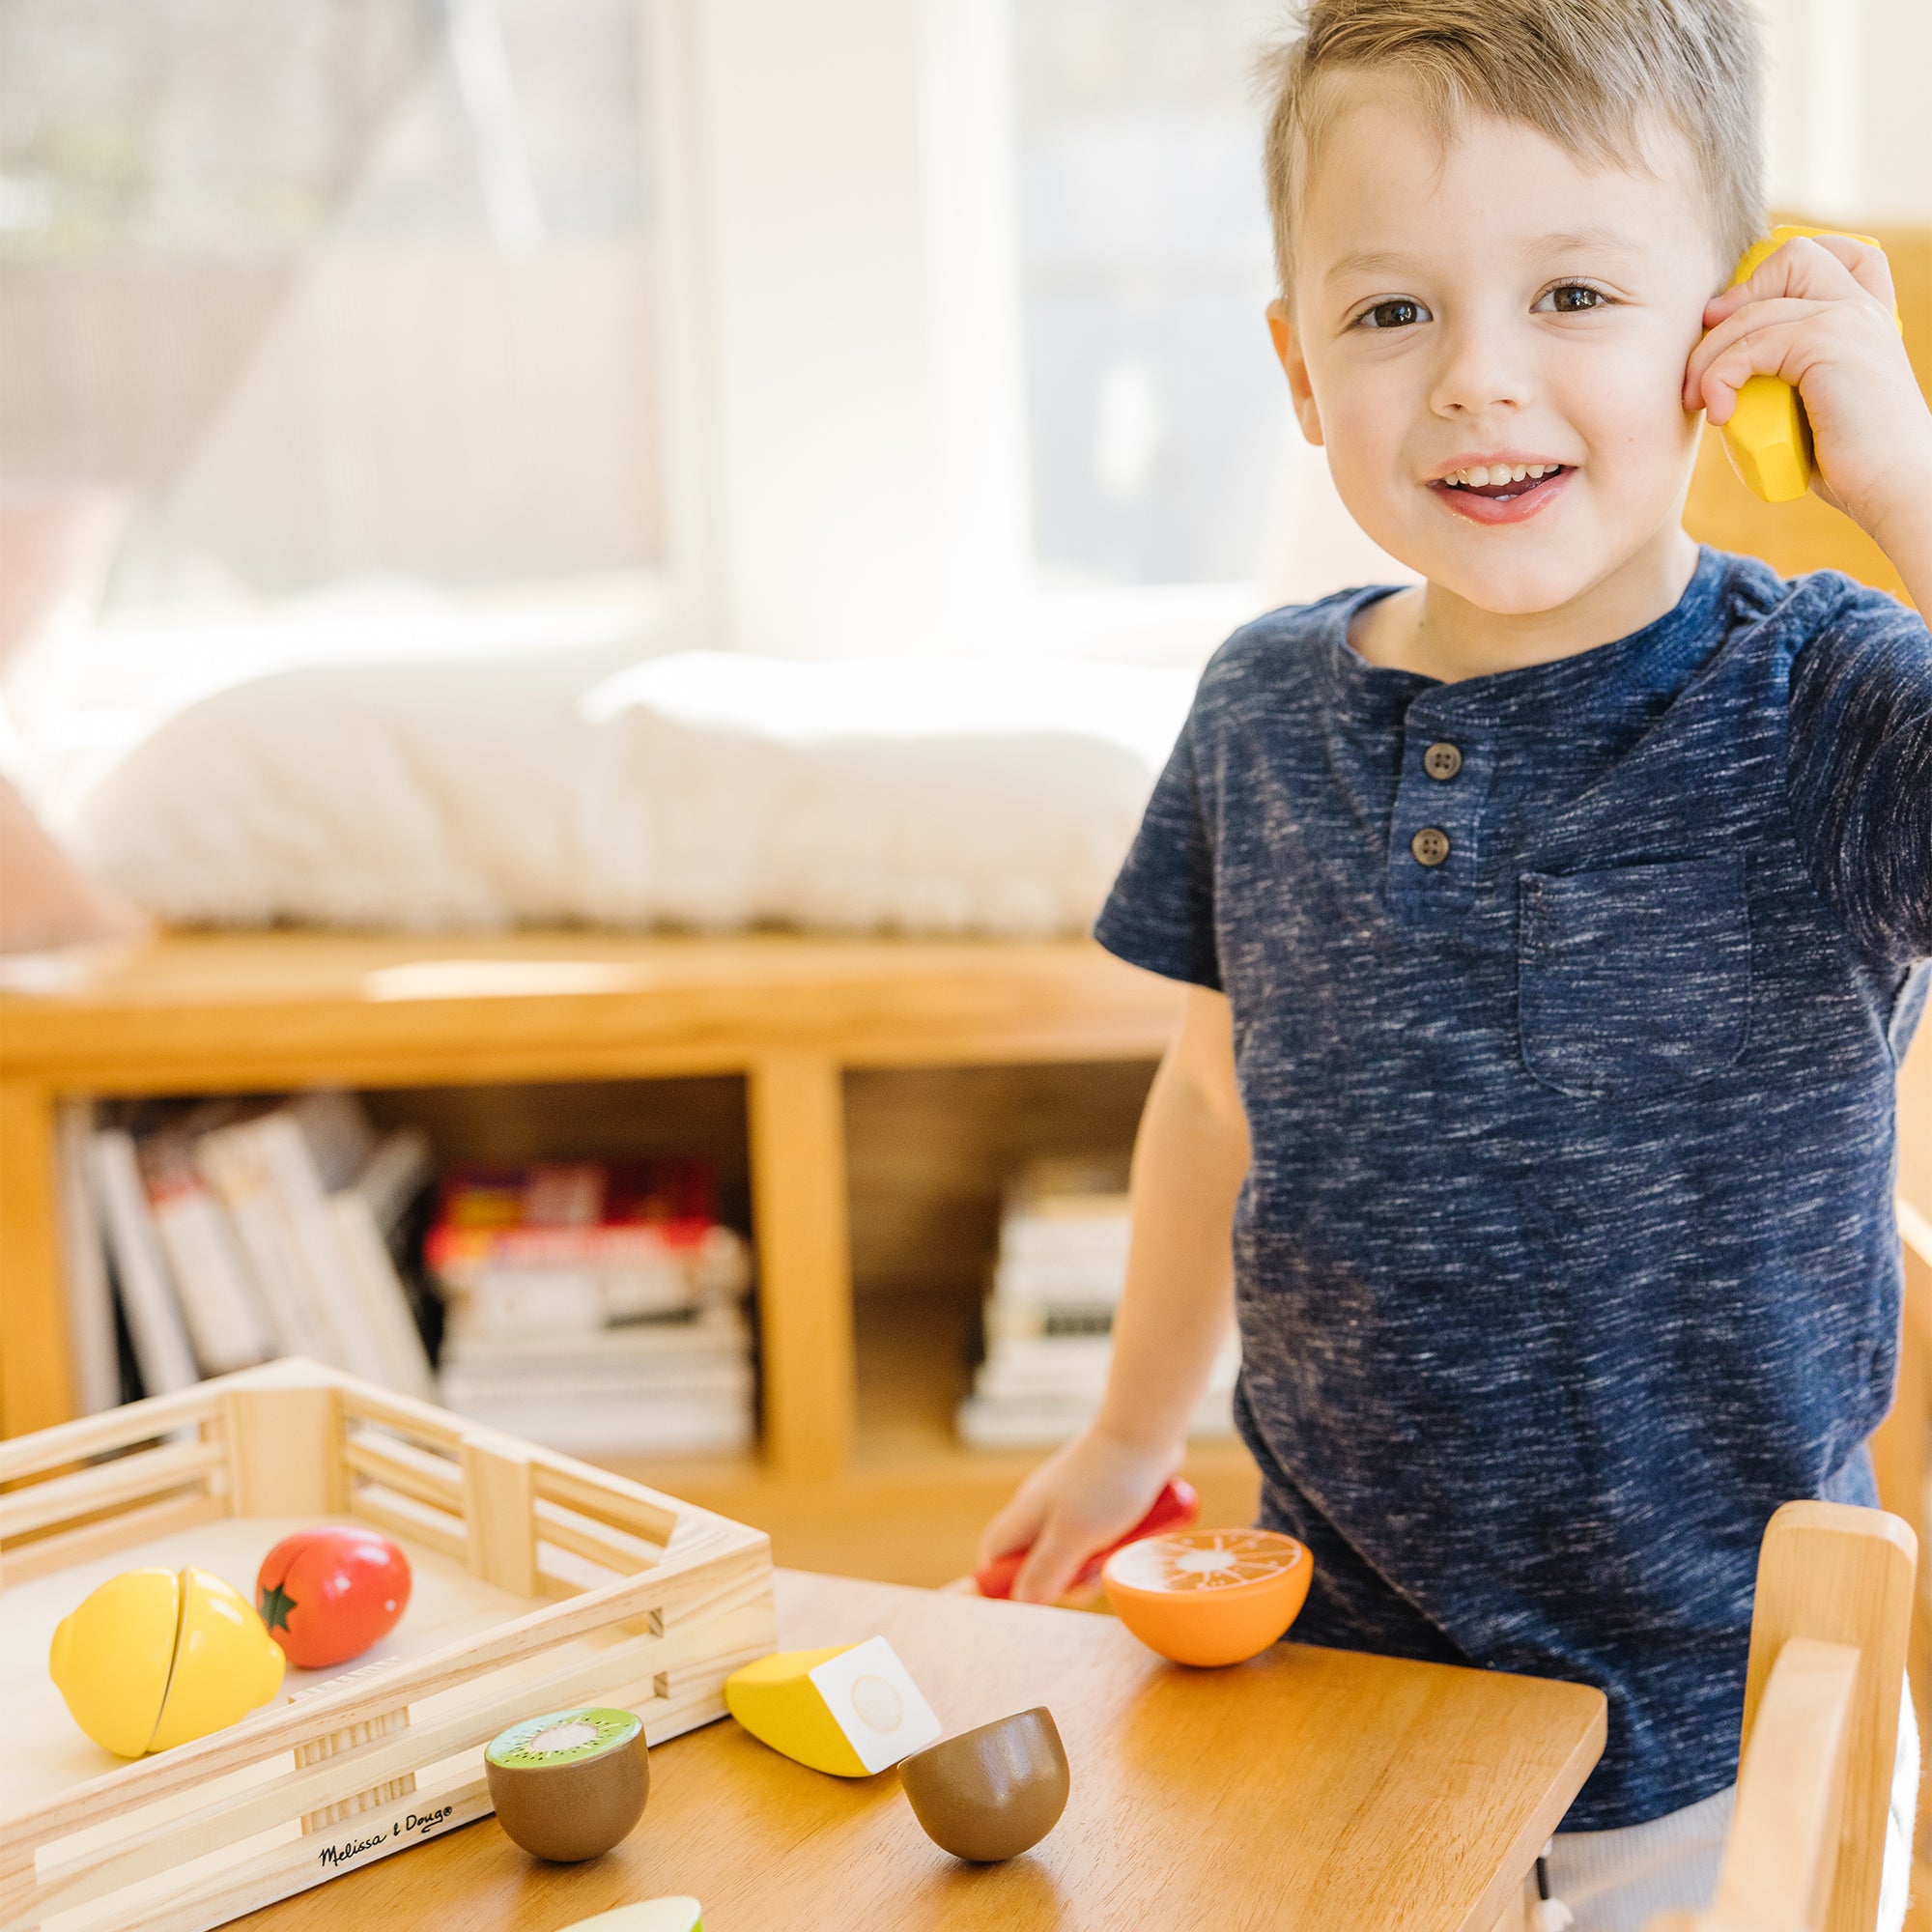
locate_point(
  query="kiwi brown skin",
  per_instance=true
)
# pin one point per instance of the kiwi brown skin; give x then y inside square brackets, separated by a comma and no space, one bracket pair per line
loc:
[991,1793]
[576,1810]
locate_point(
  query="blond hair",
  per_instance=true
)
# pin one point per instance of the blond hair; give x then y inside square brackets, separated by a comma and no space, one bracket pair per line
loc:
[1591,74]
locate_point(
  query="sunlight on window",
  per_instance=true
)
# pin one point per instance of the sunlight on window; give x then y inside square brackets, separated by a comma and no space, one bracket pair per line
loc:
[1155,405]
[340,291]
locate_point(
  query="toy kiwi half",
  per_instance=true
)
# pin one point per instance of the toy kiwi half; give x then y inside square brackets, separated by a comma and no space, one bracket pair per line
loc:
[991,1793]
[568,1785]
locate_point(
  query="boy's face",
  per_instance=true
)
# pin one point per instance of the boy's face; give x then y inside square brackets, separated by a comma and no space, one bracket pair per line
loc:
[1496,304]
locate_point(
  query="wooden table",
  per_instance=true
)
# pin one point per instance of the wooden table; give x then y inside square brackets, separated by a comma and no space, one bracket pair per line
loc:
[1309,1789]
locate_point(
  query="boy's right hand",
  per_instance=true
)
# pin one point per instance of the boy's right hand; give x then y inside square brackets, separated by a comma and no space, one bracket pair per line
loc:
[1079,1500]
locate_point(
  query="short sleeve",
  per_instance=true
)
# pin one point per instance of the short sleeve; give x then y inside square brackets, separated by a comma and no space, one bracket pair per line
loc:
[1861,771]
[1160,914]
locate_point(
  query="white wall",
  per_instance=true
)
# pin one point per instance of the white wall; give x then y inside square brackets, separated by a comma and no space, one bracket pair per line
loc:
[1849,99]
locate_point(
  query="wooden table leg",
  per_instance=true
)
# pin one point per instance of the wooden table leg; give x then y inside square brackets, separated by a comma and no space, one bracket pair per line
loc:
[1515,1915]
[36,1373]
[804,1270]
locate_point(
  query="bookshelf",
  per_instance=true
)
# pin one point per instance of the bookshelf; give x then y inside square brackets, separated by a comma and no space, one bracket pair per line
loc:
[859,1097]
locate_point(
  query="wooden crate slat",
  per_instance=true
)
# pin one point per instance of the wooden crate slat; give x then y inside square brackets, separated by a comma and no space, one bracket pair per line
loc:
[613,1500]
[295,1437]
[276,1873]
[112,1429]
[401,1466]
[43,1558]
[500,1513]
[693,1689]
[361,1403]
[284,1449]
[127,1479]
[385,1793]
[403,1515]
[16,1883]
[583,1536]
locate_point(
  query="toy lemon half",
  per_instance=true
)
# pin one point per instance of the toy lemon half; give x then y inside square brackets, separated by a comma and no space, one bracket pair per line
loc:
[111,1658]
[1209,1596]
[225,1664]
[155,1657]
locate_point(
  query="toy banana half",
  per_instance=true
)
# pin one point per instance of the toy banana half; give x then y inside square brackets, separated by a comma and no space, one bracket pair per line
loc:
[1767,438]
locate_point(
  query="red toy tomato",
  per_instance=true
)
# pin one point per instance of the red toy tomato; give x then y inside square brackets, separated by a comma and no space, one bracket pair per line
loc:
[327,1595]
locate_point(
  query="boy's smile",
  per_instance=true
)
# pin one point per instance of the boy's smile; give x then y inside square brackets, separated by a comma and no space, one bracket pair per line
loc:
[1476,490]
[1490,341]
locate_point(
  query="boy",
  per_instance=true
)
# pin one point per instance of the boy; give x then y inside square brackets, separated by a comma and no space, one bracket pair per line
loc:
[1552,929]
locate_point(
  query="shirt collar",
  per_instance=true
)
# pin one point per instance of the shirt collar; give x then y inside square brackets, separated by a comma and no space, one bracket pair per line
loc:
[1638,670]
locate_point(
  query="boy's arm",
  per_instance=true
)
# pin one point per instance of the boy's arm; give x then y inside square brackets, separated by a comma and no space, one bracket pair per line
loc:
[1819,313]
[1189,1160]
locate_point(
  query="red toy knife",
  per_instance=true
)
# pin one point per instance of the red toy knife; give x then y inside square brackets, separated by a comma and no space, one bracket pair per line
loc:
[1175,1507]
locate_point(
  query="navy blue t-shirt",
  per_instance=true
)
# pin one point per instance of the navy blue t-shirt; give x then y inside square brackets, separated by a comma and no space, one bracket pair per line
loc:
[1566,1006]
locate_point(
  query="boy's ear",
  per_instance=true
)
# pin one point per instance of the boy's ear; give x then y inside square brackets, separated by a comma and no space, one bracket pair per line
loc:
[1295,365]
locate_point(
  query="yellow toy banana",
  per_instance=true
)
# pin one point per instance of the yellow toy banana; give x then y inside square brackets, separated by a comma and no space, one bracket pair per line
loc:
[1767,438]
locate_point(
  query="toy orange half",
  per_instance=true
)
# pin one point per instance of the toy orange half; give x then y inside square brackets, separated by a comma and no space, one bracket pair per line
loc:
[1209,1596]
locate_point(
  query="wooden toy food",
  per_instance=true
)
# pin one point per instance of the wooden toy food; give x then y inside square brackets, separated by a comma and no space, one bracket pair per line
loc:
[1176,1506]
[569,1786]
[648,1915]
[1209,1596]
[990,1793]
[327,1595]
[156,1657]
[851,1711]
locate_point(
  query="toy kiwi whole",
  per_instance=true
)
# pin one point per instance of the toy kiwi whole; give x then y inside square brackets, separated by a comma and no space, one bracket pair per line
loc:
[568,1785]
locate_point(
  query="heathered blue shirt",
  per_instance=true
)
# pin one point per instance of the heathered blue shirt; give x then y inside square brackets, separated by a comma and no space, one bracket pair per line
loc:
[1567,1252]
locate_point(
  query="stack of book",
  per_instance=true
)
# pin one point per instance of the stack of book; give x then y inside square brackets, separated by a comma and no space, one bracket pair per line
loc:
[1049,1319]
[595,1308]
[227,1235]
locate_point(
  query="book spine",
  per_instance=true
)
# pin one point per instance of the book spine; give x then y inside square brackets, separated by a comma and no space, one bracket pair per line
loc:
[399,1169]
[231,1160]
[580,1429]
[224,1318]
[147,1293]
[384,1306]
[728,1387]
[89,1295]
[321,1266]
[1099,1282]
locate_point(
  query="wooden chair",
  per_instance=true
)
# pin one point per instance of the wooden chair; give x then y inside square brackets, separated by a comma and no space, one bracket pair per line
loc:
[1829,1635]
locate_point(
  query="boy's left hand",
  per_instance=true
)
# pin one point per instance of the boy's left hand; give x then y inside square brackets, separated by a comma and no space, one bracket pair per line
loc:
[1819,313]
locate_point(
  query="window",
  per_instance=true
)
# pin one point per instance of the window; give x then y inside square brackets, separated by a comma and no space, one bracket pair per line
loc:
[337,290]
[1155,407]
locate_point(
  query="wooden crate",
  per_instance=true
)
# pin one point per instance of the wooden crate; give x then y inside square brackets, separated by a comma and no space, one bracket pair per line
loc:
[540,1584]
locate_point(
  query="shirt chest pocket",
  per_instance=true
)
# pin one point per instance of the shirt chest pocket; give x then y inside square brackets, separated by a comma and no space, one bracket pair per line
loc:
[1635,979]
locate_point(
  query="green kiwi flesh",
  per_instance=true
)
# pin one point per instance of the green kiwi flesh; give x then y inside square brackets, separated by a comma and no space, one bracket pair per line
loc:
[570,1784]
